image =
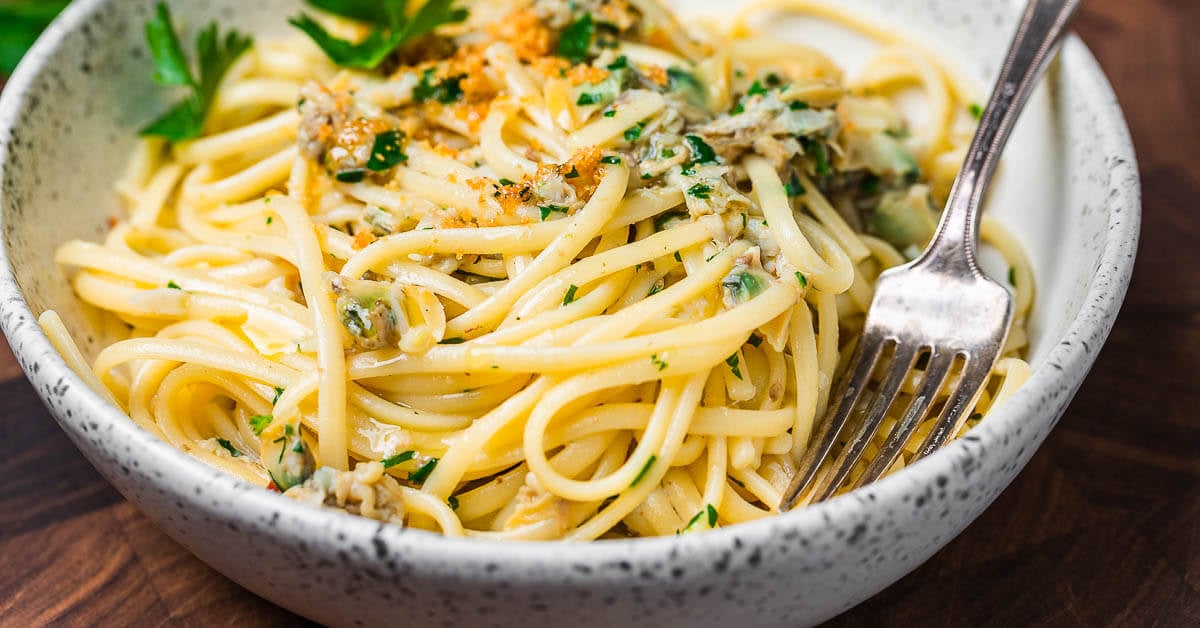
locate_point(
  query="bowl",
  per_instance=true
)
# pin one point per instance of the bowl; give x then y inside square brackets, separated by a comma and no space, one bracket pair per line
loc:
[1069,190]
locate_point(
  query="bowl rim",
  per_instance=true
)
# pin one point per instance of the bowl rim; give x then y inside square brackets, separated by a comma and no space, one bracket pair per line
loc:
[1065,366]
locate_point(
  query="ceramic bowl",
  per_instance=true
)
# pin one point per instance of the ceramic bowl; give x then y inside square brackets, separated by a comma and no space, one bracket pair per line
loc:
[1069,189]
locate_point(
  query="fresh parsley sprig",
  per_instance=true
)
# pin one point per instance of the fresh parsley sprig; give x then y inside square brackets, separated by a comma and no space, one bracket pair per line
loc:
[21,21]
[214,53]
[394,27]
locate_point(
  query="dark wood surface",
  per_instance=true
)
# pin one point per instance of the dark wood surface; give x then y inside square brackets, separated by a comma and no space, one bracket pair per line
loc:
[1102,527]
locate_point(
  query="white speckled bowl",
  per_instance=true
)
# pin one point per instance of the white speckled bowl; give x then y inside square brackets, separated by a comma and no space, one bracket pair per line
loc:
[1069,189]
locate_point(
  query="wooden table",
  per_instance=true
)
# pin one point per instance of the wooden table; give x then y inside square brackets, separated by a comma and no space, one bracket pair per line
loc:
[1103,527]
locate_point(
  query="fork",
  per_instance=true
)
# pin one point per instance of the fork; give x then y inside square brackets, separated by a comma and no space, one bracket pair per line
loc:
[940,309]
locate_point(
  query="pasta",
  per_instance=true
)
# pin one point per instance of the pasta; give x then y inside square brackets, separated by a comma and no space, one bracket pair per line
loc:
[562,271]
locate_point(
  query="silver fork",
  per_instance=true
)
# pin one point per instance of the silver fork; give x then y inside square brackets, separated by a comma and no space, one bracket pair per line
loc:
[940,307]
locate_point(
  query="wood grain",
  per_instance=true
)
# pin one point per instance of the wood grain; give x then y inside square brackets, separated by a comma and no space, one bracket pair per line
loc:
[1102,528]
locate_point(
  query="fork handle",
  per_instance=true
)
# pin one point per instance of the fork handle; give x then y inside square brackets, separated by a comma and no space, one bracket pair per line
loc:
[1038,37]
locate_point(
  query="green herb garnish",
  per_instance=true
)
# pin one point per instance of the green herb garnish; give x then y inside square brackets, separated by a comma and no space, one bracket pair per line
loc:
[755,340]
[420,475]
[801,279]
[21,21]
[1012,276]
[385,153]
[452,341]
[702,153]
[645,469]
[620,63]
[445,91]
[399,458]
[662,366]
[701,191]
[546,210]
[794,187]
[453,502]
[634,132]
[712,515]
[610,159]
[733,363]
[588,98]
[394,28]
[228,446]
[214,56]
[756,89]
[576,39]
[259,422]
[976,110]
[610,113]
[798,105]
[570,296]
[174,286]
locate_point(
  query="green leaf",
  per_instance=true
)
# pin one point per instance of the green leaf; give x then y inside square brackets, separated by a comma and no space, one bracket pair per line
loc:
[576,39]
[214,56]
[732,361]
[570,296]
[401,457]
[420,475]
[712,515]
[21,21]
[259,422]
[386,153]
[701,191]
[645,469]
[702,153]
[365,55]
[228,446]
[446,91]
[170,66]
[395,28]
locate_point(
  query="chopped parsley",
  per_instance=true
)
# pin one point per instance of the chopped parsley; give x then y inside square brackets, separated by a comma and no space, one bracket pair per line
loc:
[228,446]
[270,219]
[755,340]
[756,89]
[667,153]
[743,285]
[576,39]
[662,366]
[573,174]
[394,28]
[976,110]
[446,91]
[399,458]
[353,175]
[645,469]
[504,181]
[701,191]
[661,220]
[453,502]
[259,422]
[702,153]
[610,159]
[386,154]
[214,56]
[620,63]
[452,341]
[869,184]
[420,475]
[734,365]
[678,257]
[172,285]
[588,98]
[693,521]
[1012,276]
[801,279]
[712,515]
[798,105]
[634,132]
[610,113]
[794,187]
[570,296]
[546,210]
[819,155]
[278,394]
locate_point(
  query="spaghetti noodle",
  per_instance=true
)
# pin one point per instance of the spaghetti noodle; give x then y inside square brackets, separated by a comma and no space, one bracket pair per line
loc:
[563,271]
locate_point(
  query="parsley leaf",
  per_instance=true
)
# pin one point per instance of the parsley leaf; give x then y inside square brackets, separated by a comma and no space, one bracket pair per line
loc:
[576,39]
[420,475]
[732,361]
[546,210]
[645,469]
[386,153]
[215,55]
[446,91]
[21,21]
[395,28]
[405,456]
[570,296]
[702,153]
[228,446]
[259,422]
[701,191]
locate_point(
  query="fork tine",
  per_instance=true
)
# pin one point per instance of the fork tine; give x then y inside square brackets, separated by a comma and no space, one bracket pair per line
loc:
[935,376]
[866,355]
[970,384]
[897,373]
